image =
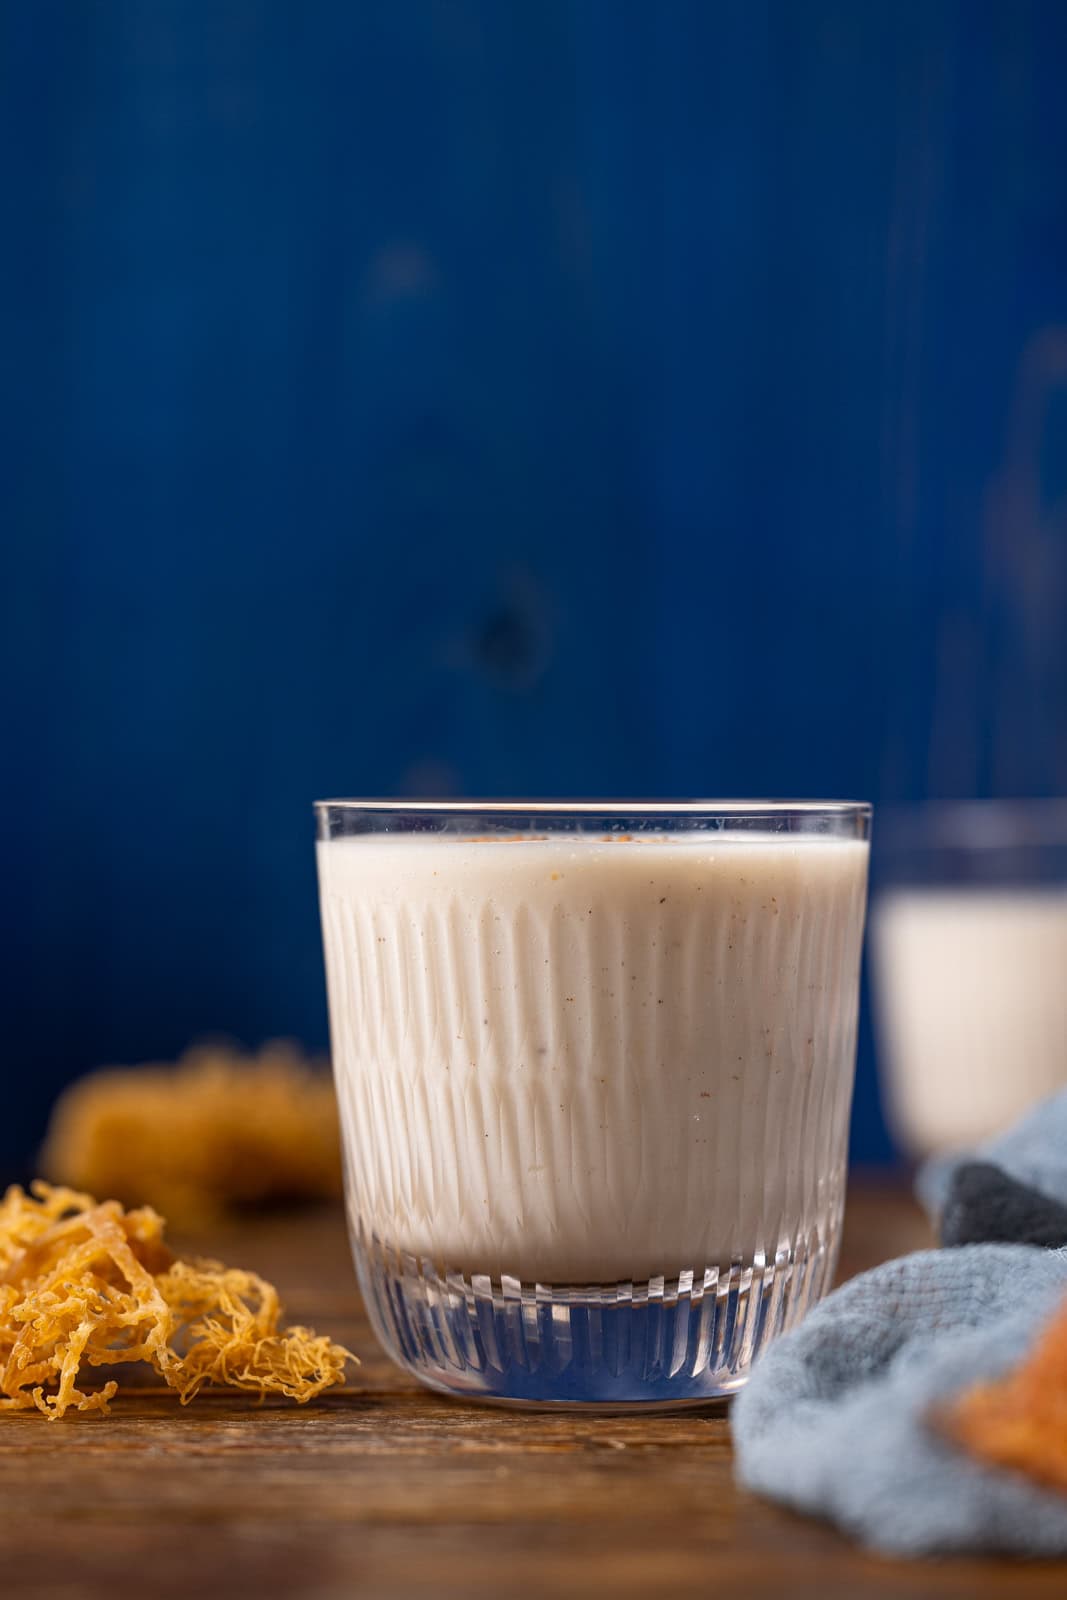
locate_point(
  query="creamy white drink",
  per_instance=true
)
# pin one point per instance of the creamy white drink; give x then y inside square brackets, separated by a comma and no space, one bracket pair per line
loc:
[580,1060]
[972,1000]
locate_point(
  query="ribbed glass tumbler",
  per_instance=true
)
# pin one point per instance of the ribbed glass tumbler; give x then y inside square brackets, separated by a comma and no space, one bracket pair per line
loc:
[594,1066]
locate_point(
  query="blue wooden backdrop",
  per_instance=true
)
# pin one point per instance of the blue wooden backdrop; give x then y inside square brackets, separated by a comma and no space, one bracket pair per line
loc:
[500,397]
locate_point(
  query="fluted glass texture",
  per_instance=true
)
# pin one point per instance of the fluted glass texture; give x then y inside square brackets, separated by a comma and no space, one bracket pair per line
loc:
[578,1060]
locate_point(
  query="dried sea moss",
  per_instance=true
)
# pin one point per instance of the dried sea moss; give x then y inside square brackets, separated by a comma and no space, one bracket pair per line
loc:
[217,1131]
[87,1285]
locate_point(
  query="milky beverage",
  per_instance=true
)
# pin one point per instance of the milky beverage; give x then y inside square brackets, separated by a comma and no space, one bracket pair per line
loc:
[972,992]
[576,1059]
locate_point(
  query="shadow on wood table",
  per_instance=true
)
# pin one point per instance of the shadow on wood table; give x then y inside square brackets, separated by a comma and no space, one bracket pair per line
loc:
[385,1490]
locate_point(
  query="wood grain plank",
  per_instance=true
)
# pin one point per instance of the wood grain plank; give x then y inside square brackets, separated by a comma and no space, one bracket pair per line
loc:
[383,1489]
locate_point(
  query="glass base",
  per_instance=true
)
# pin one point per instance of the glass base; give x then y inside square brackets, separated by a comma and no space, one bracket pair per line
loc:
[664,1343]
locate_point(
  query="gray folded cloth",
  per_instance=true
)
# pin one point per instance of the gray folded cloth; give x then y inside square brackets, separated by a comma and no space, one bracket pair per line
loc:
[834,1420]
[984,1203]
[1032,1159]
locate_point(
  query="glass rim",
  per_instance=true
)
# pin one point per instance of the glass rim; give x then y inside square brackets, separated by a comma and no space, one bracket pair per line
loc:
[620,808]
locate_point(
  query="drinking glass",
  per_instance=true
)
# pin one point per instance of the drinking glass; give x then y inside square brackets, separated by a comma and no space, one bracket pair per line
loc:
[594,1065]
[969,967]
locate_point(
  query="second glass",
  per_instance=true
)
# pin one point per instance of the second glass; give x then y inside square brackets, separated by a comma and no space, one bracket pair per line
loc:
[594,1066]
[969,947]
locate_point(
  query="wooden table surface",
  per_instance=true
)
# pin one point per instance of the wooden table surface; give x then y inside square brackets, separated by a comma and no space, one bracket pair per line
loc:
[386,1490]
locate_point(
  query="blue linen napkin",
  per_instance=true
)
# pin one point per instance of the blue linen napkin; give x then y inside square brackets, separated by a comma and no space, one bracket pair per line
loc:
[832,1421]
[1032,1161]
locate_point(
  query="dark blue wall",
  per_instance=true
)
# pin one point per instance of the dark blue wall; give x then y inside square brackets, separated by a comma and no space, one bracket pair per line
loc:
[500,398]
